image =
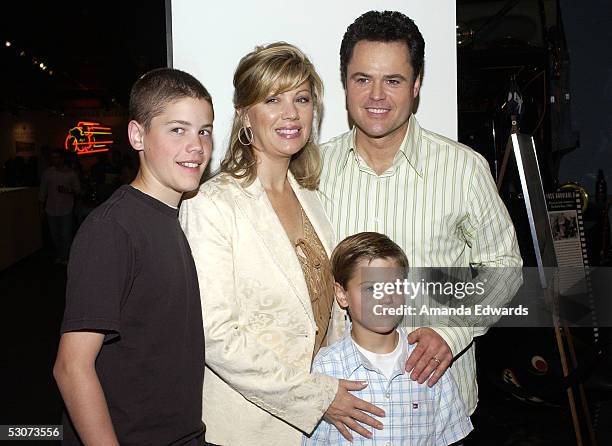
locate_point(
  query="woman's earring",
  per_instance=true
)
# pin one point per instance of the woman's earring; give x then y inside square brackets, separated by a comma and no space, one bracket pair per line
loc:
[247,133]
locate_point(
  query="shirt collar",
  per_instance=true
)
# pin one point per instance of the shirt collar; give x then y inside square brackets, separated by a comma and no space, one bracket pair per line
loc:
[409,148]
[353,359]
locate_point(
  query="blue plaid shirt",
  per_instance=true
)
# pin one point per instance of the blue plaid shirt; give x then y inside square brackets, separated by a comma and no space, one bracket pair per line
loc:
[416,414]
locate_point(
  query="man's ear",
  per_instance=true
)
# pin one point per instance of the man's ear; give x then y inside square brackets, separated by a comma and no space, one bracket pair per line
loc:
[416,88]
[136,135]
[341,296]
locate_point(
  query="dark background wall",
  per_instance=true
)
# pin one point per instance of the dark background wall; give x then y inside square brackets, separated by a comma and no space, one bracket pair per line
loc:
[588,28]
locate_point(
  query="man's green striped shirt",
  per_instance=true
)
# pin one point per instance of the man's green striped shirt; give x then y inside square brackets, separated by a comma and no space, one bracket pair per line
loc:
[438,202]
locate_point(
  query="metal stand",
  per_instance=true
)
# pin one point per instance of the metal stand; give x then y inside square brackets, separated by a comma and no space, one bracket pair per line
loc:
[562,331]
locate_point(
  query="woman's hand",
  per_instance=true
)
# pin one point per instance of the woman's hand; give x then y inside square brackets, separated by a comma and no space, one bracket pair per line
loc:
[346,409]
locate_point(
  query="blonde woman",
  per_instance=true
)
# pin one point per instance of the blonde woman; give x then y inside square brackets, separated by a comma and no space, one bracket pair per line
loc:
[261,242]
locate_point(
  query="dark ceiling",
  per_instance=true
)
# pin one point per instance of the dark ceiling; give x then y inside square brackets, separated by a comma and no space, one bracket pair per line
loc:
[95,51]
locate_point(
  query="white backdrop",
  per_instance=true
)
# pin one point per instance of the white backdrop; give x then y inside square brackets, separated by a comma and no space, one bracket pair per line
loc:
[210,37]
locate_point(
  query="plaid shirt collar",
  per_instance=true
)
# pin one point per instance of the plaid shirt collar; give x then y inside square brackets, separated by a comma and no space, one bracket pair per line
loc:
[353,359]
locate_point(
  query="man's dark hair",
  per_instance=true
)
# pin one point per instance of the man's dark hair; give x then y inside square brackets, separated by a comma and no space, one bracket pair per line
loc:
[59,154]
[156,89]
[383,26]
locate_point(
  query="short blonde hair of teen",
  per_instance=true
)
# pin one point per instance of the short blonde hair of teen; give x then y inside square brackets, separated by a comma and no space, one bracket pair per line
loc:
[268,70]
[364,246]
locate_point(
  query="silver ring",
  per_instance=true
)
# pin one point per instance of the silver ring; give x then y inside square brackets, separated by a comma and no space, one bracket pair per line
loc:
[436,359]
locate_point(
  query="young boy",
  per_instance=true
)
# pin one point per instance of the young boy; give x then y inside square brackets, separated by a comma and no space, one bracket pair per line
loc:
[375,352]
[130,363]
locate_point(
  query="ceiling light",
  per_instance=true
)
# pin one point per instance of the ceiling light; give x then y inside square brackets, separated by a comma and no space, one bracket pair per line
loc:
[7,44]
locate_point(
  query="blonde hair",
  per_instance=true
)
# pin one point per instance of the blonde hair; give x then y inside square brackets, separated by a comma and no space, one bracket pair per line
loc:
[273,69]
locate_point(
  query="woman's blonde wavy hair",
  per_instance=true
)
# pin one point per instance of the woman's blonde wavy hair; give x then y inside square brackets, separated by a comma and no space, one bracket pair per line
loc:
[268,70]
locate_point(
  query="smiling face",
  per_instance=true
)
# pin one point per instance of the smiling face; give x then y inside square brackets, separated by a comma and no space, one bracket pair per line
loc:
[175,150]
[381,89]
[281,123]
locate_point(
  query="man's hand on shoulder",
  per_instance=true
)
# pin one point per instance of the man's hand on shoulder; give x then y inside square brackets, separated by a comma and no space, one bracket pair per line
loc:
[432,354]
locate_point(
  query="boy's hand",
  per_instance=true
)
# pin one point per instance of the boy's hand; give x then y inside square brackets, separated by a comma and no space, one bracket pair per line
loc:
[346,409]
[431,353]
[78,382]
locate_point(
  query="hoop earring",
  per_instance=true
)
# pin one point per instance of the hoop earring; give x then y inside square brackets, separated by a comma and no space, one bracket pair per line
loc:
[248,134]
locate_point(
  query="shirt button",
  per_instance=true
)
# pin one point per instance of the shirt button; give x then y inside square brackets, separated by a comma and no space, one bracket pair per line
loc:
[387,395]
[388,443]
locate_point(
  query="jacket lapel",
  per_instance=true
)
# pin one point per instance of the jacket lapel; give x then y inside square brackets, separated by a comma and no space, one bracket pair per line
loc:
[258,210]
[315,212]
[320,222]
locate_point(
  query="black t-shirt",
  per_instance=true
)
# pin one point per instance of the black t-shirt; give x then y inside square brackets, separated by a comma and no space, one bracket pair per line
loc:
[131,276]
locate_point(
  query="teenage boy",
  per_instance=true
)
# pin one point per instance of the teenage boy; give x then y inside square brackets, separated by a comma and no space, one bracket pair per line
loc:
[131,357]
[376,350]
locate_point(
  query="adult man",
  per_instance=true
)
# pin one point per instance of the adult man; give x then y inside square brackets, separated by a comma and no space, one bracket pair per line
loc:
[58,186]
[432,196]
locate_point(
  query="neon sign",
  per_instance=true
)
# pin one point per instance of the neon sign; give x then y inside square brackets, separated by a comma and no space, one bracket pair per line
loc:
[88,137]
